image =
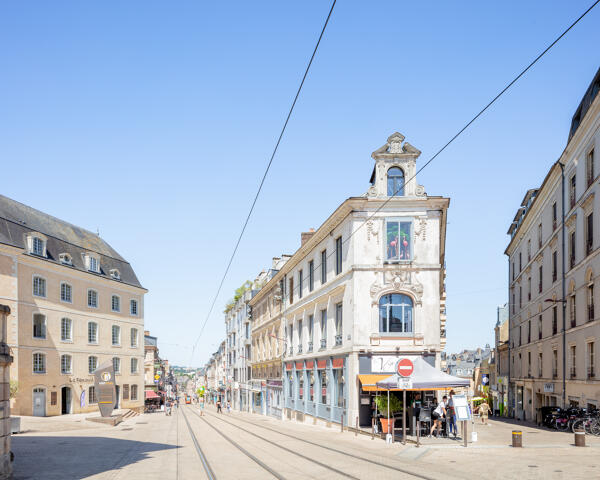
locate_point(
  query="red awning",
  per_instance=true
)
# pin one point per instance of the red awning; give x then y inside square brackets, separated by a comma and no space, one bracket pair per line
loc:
[151,394]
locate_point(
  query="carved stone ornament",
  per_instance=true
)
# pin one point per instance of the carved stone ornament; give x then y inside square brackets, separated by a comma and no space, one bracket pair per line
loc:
[570,222]
[372,191]
[372,230]
[422,230]
[420,191]
[398,281]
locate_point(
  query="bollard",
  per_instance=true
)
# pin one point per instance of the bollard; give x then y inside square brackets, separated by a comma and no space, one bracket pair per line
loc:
[517,438]
[356,429]
[579,437]
[342,423]
[372,429]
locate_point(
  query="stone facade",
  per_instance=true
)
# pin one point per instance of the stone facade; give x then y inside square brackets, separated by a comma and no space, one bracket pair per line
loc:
[554,324]
[72,299]
[5,422]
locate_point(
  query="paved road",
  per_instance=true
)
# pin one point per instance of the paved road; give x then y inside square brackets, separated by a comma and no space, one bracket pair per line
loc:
[245,446]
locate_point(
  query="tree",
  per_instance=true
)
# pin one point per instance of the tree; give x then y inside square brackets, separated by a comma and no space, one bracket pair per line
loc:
[14,388]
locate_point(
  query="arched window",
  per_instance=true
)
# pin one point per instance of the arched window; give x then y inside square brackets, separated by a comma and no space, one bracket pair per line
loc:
[395,178]
[395,313]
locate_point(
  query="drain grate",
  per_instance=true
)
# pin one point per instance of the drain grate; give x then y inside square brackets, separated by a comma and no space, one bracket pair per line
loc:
[125,429]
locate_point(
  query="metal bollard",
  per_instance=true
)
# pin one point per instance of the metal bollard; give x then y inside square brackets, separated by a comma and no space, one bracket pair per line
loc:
[372,429]
[517,438]
[579,437]
[342,423]
[356,429]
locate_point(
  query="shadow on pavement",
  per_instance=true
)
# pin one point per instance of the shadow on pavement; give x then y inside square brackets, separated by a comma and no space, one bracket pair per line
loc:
[47,457]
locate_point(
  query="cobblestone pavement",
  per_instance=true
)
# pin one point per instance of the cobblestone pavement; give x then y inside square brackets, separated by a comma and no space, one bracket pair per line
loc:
[247,446]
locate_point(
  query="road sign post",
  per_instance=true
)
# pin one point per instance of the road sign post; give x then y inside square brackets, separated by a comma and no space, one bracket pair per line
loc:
[405,369]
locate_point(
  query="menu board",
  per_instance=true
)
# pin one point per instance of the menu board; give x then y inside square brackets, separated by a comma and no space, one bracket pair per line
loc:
[461,407]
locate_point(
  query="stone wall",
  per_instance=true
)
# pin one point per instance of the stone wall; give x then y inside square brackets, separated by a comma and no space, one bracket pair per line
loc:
[5,361]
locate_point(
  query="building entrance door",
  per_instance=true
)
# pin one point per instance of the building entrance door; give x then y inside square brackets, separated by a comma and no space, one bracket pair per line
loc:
[65,395]
[39,402]
[117,391]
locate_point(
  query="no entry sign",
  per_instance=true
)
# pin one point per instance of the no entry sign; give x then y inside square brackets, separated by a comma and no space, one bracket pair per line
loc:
[405,367]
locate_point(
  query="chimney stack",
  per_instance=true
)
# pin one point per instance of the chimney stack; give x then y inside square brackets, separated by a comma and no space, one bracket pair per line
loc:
[306,236]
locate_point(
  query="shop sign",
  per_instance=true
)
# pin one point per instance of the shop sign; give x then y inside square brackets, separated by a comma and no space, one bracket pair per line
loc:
[387,363]
[548,388]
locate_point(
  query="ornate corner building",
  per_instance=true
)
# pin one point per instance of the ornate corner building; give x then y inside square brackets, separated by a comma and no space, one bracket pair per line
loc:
[364,289]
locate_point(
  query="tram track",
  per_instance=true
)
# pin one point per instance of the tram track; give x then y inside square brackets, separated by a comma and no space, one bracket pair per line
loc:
[332,449]
[277,445]
[207,468]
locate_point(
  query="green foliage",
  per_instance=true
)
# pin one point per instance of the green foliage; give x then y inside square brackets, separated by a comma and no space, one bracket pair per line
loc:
[239,293]
[382,403]
[14,388]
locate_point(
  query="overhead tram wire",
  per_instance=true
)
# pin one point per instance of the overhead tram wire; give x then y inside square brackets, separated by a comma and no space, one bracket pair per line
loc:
[264,177]
[460,132]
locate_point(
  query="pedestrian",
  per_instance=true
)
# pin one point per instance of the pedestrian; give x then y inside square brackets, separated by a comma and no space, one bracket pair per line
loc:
[451,415]
[484,410]
[219,406]
[437,415]
[202,407]
[228,407]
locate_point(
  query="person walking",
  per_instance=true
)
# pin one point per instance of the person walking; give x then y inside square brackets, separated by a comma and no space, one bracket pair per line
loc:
[438,413]
[451,415]
[484,410]
[228,406]
[202,407]
[219,410]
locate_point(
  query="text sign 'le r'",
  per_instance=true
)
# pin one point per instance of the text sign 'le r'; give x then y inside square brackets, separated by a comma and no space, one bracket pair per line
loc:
[405,367]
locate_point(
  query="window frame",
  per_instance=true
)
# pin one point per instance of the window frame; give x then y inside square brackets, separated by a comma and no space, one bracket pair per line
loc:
[42,282]
[112,303]
[396,191]
[118,364]
[112,335]
[133,391]
[89,342]
[311,275]
[388,306]
[323,267]
[133,302]
[386,248]
[33,363]
[44,326]
[338,255]
[70,330]
[90,370]
[92,399]
[133,344]
[137,367]
[90,291]
[70,369]
[64,287]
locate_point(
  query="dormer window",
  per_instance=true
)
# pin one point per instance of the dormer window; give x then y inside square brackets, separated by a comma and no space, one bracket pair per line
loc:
[395,182]
[65,259]
[36,244]
[114,273]
[92,263]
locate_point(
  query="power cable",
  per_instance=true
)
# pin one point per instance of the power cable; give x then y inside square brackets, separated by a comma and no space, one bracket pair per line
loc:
[465,127]
[265,175]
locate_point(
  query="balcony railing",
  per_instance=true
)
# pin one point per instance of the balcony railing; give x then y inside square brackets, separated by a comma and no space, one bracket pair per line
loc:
[323,343]
[309,347]
[590,313]
[338,340]
[299,349]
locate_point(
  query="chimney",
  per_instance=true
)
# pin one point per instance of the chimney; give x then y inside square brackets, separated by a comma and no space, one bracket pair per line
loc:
[306,236]
[146,333]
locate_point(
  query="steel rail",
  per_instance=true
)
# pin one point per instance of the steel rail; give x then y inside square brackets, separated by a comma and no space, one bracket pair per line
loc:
[240,448]
[207,468]
[358,457]
[312,460]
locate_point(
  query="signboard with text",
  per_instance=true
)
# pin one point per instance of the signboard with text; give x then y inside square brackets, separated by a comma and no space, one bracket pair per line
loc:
[461,407]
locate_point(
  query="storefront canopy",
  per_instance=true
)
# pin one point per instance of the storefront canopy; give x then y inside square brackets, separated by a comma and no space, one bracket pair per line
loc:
[424,377]
[151,394]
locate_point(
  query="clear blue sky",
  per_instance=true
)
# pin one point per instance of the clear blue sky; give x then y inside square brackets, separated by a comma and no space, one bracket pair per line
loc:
[153,121]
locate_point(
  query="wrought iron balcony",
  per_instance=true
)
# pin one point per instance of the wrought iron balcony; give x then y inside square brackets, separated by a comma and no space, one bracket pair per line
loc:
[309,347]
[323,343]
[338,340]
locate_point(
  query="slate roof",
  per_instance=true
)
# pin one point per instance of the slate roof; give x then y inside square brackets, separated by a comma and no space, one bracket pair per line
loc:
[17,220]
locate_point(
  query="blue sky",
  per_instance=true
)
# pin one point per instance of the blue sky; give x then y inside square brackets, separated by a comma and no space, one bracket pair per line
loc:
[153,122]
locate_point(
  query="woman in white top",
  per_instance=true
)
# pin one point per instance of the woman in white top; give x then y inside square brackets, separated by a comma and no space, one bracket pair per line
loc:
[436,416]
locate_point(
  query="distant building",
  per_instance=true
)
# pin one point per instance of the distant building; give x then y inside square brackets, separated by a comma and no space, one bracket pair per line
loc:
[75,303]
[499,363]
[543,307]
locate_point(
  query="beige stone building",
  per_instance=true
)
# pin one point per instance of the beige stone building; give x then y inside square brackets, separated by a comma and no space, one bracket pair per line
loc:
[268,343]
[75,303]
[554,325]
[5,421]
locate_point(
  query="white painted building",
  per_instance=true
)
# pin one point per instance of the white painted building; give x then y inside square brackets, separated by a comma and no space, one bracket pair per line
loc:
[362,290]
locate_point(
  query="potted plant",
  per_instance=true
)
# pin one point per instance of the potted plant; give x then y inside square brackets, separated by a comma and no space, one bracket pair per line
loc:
[382,407]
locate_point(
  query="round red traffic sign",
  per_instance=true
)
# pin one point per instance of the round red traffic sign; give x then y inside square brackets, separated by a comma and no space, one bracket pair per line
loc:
[405,367]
